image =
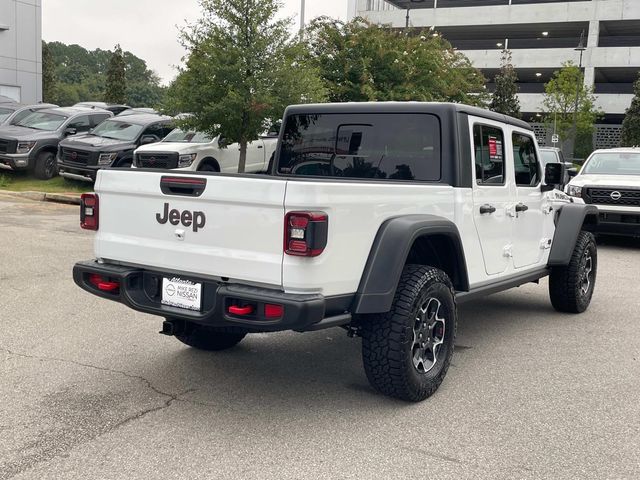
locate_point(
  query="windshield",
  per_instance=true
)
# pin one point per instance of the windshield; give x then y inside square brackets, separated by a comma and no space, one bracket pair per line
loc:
[180,136]
[5,113]
[613,163]
[42,121]
[118,130]
[548,157]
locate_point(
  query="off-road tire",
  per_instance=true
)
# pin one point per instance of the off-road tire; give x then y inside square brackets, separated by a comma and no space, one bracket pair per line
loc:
[209,338]
[45,167]
[567,284]
[388,339]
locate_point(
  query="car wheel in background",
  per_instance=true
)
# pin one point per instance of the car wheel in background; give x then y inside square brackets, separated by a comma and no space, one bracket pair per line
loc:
[46,166]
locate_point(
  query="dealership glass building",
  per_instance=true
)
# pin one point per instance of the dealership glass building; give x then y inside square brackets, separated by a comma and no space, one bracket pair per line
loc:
[21,50]
[542,34]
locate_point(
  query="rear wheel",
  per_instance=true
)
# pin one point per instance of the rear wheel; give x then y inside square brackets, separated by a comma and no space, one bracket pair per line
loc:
[571,287]
[407,352]
[209,338]
[46,167]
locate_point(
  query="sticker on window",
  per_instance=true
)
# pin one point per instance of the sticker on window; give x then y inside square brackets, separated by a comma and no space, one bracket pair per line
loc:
[495,148]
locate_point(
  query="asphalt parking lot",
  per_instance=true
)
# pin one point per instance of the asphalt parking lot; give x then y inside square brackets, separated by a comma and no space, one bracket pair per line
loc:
[89,390]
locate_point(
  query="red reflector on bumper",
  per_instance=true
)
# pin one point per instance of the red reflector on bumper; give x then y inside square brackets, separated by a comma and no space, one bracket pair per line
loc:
[273,311]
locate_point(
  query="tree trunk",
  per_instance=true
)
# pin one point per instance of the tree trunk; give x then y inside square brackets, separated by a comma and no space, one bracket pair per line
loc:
[243,156]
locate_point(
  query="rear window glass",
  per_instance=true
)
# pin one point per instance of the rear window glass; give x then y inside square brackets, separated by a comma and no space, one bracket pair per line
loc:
[364,146]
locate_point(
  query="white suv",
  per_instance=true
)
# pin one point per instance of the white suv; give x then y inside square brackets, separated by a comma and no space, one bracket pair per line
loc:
[195,151]
[610,179]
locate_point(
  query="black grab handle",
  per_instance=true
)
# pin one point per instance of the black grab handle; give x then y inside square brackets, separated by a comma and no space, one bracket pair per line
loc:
[183,186]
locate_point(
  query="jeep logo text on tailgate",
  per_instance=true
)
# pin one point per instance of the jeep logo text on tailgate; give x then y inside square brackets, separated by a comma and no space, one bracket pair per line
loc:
[196,220]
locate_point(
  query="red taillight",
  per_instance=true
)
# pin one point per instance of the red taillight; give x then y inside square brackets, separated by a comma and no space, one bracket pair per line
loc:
[103,284]
[89,211]
[305,233]
[273,311]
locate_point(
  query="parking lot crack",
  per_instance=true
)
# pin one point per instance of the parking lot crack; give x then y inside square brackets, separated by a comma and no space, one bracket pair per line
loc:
[95,367]
[49,452]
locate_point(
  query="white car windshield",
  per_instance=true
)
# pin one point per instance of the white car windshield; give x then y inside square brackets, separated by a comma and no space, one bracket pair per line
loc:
[180,136]
[118,130]
[613,163]
[5,113]
[43,121]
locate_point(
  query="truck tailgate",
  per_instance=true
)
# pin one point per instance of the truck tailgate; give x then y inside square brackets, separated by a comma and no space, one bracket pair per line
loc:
[234,229]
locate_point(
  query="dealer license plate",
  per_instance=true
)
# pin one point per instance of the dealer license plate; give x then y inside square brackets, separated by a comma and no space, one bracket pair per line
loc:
[177,292]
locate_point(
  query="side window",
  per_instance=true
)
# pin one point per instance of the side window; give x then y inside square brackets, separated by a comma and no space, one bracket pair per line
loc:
[488,144]
[98,119]
[157,130]
[527,166]
[81,124]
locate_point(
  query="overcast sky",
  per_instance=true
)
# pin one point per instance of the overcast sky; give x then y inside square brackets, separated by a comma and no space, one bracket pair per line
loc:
[147,28]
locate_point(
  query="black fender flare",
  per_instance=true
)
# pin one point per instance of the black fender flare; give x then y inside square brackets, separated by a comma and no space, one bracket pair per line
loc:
[389,254]
[571,219]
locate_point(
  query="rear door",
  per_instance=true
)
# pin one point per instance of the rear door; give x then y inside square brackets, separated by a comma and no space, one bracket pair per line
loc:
[233,230]
[492,193]
[529,222]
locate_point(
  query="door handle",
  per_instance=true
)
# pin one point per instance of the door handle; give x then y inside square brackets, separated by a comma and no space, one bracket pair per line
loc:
[260,146]
[486,208]
[521,207]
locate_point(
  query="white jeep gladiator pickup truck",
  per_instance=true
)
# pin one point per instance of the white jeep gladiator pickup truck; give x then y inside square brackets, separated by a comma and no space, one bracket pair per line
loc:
[195,151]
[377,217]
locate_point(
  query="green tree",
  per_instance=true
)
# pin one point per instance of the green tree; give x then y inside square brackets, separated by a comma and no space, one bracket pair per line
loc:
[48,75]
[116,87]
[505,97]
[631,123]
[559,106]
[359,62]
[81,76]
[243,68]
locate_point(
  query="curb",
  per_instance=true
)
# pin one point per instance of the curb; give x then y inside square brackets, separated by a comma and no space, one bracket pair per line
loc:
[45,197]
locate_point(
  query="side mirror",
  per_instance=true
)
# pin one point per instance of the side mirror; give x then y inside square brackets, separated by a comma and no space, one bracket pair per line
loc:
[147,139]
[70,131]
[553,175]
[222,142]
[572,172]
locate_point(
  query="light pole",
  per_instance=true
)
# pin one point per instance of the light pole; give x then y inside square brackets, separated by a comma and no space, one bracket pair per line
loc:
[579,85]
[302,10]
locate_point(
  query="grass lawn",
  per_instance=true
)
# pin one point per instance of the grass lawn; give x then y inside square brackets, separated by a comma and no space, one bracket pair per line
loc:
[23,182]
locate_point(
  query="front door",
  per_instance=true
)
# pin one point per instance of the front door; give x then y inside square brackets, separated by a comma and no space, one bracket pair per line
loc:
[492,194]
[529,222]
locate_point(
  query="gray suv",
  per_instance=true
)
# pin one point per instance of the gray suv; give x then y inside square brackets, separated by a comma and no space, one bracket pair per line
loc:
[32,143]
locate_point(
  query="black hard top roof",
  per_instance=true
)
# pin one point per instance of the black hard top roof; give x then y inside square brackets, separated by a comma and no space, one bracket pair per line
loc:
[404,107]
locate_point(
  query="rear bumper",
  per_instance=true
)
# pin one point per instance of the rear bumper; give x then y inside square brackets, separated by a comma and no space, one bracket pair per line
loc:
[141,290]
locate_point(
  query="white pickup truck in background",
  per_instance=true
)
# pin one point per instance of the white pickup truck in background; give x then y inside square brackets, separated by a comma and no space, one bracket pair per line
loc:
[377,217]
[198,152]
